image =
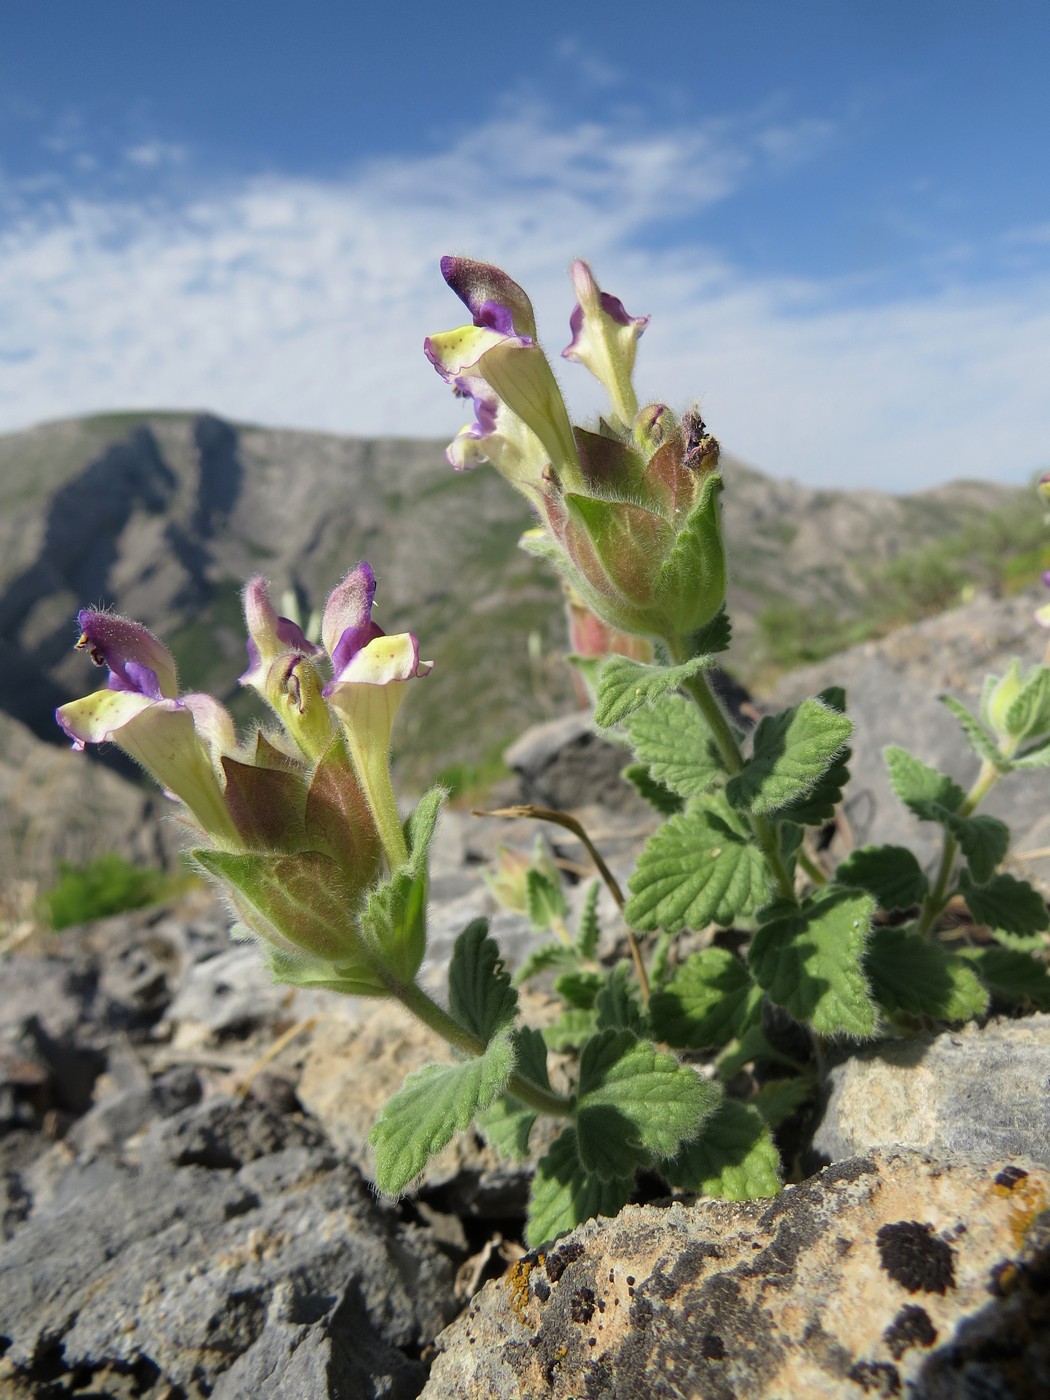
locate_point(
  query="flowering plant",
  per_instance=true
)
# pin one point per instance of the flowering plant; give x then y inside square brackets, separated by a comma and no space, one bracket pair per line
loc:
[299,825]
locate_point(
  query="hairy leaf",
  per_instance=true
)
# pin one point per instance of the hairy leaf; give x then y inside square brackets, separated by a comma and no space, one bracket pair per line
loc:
[660,798]
[545,899]
[910,974]
[635,1103]
[564,1194]
[699,867]
[570,1030]
[709,1000]
[1012,975]
[618,1005]
[672,738]
[433,1104]
[733,1157]
[1037,756]
[542,959]
[625,686]
[1029,712]
[982,743]
[778,1099]
[588,930]
[925,791]
[983,840]
[480,994]
[580,989]
[507,1124]
[1007,903]
[421,825]
[810,962]
[395,920]
[791,753]
[890,873]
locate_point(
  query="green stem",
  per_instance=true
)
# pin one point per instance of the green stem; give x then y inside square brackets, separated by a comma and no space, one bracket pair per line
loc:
[937,898]
[764,830]
[374,772]
[812,869]
[415,1000]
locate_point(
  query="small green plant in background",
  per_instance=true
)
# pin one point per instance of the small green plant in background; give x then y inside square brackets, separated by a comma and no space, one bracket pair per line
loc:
[745,954]
[109,884]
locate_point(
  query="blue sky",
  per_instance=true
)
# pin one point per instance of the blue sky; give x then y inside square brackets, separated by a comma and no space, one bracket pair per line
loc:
[838,214]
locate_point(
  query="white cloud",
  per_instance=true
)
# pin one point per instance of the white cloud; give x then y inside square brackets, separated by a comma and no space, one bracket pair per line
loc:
[305,302]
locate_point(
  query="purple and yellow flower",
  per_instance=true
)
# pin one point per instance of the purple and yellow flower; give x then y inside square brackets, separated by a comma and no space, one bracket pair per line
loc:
[300,821]
[629,513]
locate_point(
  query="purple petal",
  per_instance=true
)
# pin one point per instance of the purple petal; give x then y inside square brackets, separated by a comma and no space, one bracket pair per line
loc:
[137,661]
[480,285]
[349,611]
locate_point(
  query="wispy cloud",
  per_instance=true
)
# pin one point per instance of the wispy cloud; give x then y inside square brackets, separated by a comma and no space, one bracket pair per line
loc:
[305,301]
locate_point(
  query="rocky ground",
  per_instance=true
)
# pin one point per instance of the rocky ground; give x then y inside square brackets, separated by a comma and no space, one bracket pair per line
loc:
[186,1209]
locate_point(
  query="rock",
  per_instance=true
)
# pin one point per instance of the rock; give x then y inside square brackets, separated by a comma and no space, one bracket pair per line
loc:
[350,1070]
[889,1274]
[240,1258]
[976,1094]
[893,687]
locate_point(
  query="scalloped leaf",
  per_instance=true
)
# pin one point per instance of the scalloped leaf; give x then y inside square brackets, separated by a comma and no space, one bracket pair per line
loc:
[710,999]
[432,1105]
[1012,975]
[982,743]
[625,685]
[913,976]
[507,1125]
[480,995]
[734,1157]
[1005,902]
[810,962]
[672,738]
[564,1194]
[890,873]
[698,868]
[792,751]
[923,790]
[635,1103]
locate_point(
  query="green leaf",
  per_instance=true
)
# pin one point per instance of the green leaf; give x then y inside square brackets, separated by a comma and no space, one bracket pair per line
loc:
[983,840]
[617,1005]
[570,1030]
[545,899]
[672,738]
[911,975]
[625,686]
[699,867]
[1018,942]
[507,1124]
[834,696]
[792,752]
[1029,713]
[778,1099]
[588,930]
[810,962]
[660,798]
[734,1157]
[925,791]
[432,1105]
[635,1103]
[395,921]
[564,1194]
[480,995]
[542,959]
[818,806]
[750,1044]
[713,637]
[660,966]
[1038,756]
[982,743]
[1007,903]
[709,1000]
[580,989]
[419,829]
[303,899]
[1012,975]
[890,873]
[692,582]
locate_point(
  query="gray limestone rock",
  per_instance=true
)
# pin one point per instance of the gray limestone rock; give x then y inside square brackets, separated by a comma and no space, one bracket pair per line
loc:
[886,1275]
[981,1093]
[172,1271]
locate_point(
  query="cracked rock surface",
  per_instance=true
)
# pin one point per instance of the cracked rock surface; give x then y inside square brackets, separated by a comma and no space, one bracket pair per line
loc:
[885,1275]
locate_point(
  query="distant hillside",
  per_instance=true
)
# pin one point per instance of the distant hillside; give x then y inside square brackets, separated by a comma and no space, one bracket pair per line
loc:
[163,516]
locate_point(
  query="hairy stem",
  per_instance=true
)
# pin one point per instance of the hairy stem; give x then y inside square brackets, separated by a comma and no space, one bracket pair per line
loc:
[765,831]
[934,903]
[414,999]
